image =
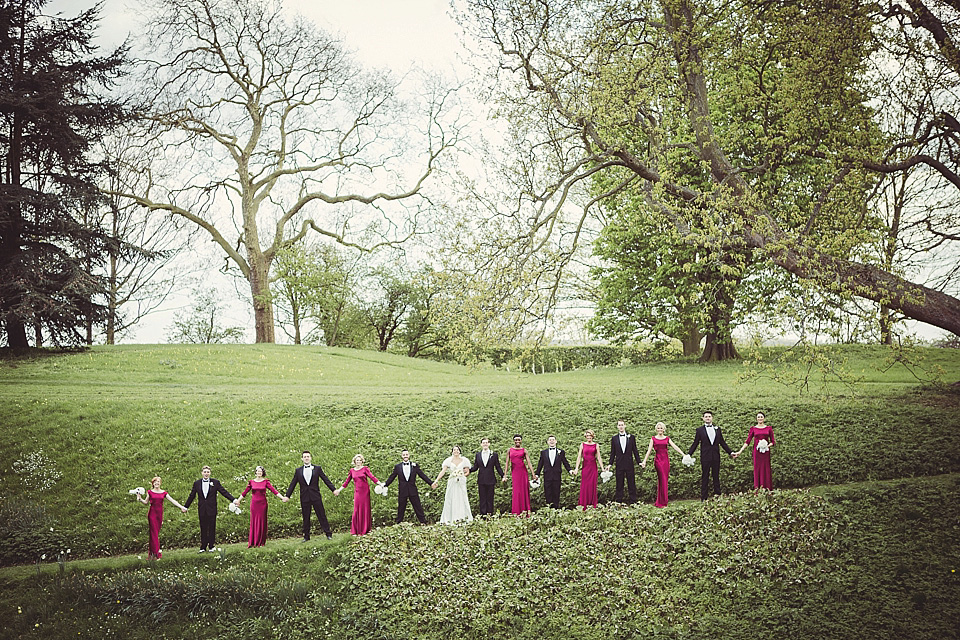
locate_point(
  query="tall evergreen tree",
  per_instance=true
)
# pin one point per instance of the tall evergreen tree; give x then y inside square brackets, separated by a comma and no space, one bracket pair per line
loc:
[52,106]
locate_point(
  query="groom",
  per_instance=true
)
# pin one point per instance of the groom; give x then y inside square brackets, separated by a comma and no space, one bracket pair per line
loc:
[484,463]
[551,459]
[308,478]
[407,472]
[205,490]
[710,440]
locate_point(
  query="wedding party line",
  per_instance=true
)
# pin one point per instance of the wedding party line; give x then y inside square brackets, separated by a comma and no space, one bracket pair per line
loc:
[518,469]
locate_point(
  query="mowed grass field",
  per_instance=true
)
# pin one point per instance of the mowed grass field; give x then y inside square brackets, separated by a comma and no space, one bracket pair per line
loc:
[82,429]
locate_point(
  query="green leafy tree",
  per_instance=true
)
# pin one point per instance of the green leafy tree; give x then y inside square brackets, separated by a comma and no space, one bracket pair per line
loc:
[202,323]
[315,287]
[53,106]
[764,101]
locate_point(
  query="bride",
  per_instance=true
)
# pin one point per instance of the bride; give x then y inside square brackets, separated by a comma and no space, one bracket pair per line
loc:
[456,504]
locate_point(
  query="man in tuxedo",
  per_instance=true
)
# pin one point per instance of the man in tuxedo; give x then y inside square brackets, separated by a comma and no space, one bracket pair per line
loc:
[551,460]
[484,463]
[407,472]
[308,478]
[205,491]
[623,454]
[709,439]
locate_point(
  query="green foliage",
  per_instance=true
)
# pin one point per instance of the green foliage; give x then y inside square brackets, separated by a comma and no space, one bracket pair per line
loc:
[203,322]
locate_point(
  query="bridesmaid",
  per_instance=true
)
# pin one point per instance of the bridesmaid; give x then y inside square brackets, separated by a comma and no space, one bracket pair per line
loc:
[520,470]
[592,465]
[661,461]
[762,477]
[362,517]
[258,506]
[155,498]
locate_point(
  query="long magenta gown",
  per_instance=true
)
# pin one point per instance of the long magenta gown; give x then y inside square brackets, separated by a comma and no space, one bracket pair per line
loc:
[362,519]
[588,476]
[521,481]
[661,463]
[762,477]
[258,511]
[155,520]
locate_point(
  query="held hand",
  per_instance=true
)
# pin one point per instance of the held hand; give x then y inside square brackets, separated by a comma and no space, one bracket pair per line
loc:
[336,491]
[284,499]
[734,455]
[573,472]
[503,479]
[643,465]
[466,472]
[183,509]
[434,485]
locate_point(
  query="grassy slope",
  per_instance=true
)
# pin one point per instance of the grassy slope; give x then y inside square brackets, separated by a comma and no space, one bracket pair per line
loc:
[110,418]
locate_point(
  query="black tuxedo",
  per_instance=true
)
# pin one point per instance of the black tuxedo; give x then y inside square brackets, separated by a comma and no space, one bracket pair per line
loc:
[622,461]
[486,480]
[407,490]
[310,497]
[709,458]
[207,509]
[552,475]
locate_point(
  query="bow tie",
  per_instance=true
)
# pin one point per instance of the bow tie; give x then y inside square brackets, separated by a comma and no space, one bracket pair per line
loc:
[308,466]
[553,448]
[206,481]
[406,464]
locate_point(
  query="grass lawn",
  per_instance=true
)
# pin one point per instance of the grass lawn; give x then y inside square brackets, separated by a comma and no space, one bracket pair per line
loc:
[81,429]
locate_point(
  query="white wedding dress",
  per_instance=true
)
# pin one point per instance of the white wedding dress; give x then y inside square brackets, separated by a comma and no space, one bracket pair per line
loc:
[456,504]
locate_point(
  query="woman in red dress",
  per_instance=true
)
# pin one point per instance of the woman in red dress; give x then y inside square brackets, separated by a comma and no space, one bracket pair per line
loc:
[661,461]
[592,466]
[258,506]
[361,475]
[762,477]
[520,470]
[155,498]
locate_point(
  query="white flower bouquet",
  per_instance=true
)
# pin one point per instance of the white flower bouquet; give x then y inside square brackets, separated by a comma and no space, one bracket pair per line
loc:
[138,491]
[606,475]
[763,446]
[456,472]
[535,484]
[234,509]
[380,489]
[688,459]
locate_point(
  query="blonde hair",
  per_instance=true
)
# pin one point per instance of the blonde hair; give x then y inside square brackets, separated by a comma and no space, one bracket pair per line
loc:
[362,459]
[589,431]
[660,424]
[154,480]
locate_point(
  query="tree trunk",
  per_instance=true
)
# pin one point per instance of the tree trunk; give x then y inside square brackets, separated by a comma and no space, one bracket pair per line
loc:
[691,340]
[262,300]
[714,351]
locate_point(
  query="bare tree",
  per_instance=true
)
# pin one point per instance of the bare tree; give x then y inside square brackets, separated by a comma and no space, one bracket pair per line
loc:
[270,131]
[142,247]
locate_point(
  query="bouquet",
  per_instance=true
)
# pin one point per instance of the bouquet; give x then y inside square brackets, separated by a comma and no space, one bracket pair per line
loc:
[763,446]
[535,484]
[456,472]
[138,491]
[380,489]
[234,508]
[688,459]
[606,475]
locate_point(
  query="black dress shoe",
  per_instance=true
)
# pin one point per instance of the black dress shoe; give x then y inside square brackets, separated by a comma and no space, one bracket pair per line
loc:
[329,537]
[202,551]
[305,540]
